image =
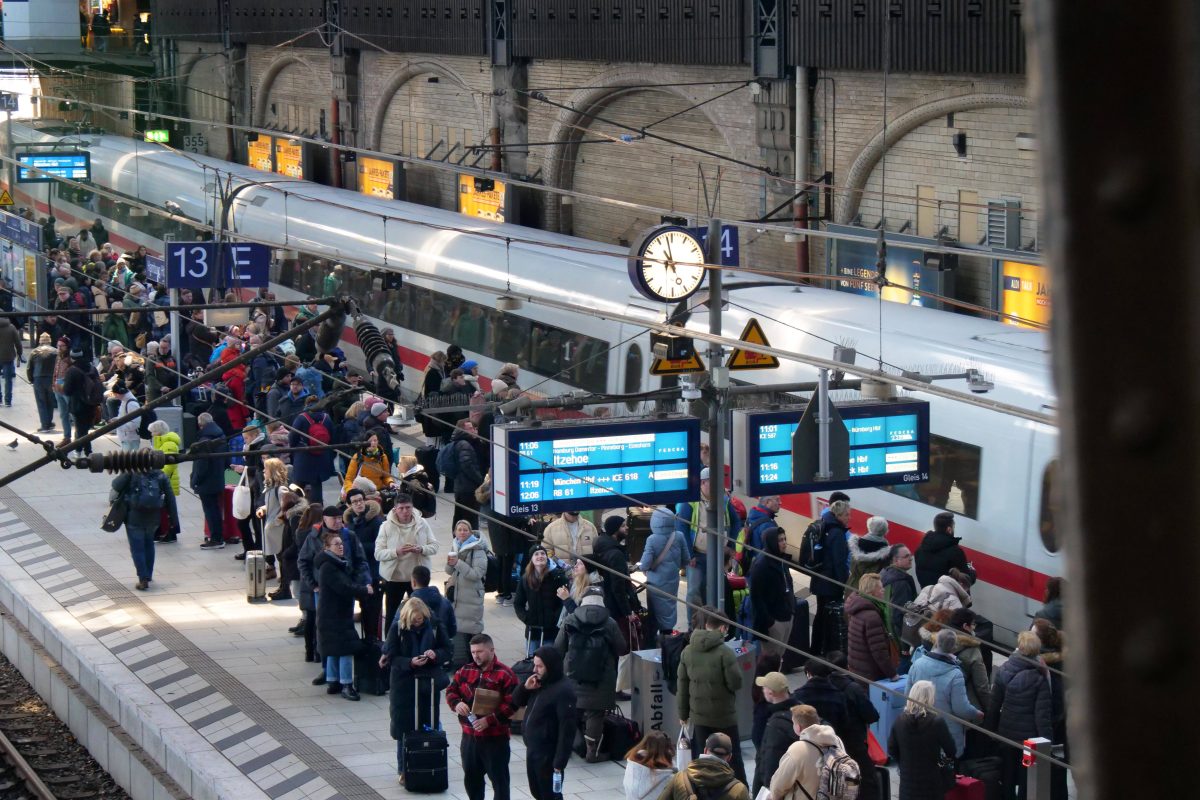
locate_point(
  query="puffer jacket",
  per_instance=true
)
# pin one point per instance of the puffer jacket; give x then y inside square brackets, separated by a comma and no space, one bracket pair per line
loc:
[867,554]
[968,651]
[869,650]
[708,681]
[375,467]
[778,735]
[540,608]
[710,775]
[467,576]
[169,443]
[937,554]
[899,588]
[392,534]
[947,678]
[946,593]
[128,432]
[666,575]
[1022,705]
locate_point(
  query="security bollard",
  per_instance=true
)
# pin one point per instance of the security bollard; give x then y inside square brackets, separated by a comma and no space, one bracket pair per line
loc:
[1037,779]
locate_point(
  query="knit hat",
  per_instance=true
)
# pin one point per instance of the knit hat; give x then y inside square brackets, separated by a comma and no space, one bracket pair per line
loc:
[467,366]
[499,386]
[593,591]
[613,524]
[44,338]
[377,409]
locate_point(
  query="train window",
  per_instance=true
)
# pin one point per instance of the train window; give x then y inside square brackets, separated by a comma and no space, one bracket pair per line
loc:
[1051,505]
[953,485]
[633,374]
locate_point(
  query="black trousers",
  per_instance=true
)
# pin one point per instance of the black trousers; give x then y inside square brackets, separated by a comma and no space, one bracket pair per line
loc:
[466,507]
[371,606]
[540,771]
[394,593]
[211,503]
[702,732]
[485,755]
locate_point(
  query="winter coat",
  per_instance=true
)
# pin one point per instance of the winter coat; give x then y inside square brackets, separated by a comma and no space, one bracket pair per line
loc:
[291,406]
[145,517]
[801,764]
[602,695]
[10,341]
[771,593]
[549,726]
[467,577]
[777,736]
[540,608]
[917,742]
[375,467]
[311,547]
[469,473]
[832,704]
[310,468]
[40,370]
[374,425]
[619,597]
[1022,703]
[836,559]
[666,575]
[947,678]
[419,486]
[336,635]
[758,521]
[128,432]
[557,539]
[708,774]
[645,783]
[409,699]
[945,593]
[208,474]
[867,554]
[366,530]
[708,681]
[504,539]
[239,414]
[860,712]
[967,649]
[169,443]
[938,553]
[392,534]
[899,588]
[868,644]
[1052,612]
[440,607]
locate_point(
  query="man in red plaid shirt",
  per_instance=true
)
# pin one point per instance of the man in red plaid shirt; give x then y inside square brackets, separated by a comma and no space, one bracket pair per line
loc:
[485,741]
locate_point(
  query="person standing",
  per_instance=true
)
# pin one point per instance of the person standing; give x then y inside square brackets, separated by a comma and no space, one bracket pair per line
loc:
[40,373]
[871,651]
[484,720]
[828,624]
[569,537]
[416,647]
[549,728]
[466,565]
[468,474]
[869,553]
[10,352]
[127,433]
[777,733]
[940,551]
[917,741]
[208,478]
[691,520]
[363,518]
[760,519]
[799,773]
[537,603]
[649,766]
[619,596]
[62,364]
[82,387]
[144,496]
[942,669]
[352,554]
[591,642]
[405,541]
[439,606]
[899,588]
[337,640]
[663,555]
[1022,706]
[708,681]
[311,470]
[710,773]
[771,596]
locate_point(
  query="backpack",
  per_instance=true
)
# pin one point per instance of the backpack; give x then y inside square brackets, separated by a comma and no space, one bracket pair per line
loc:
[590,654]
[491,578]
[93,389]
[447,462]
[317,429]
[672,652]
[839,775]
[812,547]
[145,492]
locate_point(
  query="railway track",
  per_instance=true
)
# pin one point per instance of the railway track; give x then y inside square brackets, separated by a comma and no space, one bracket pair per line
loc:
[39,758]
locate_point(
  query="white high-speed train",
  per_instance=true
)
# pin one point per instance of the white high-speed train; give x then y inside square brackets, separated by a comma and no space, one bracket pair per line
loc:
[997,471]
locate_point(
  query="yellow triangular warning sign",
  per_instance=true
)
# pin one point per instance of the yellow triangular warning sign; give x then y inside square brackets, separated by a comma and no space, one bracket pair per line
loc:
[6,198]
[678,366]
[746,359]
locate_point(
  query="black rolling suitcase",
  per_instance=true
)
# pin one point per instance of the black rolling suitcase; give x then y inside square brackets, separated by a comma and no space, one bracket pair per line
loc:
[426,753]
[798,639]
[884,776]
[427,458]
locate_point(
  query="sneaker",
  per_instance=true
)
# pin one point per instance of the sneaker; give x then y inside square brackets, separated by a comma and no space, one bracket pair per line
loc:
[211,545]
[350,693]
[240,556]
[333,688]
[142,586]
[167,540]
[319,680]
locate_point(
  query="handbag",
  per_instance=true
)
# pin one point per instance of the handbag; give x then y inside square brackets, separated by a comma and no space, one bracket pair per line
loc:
[875,751]
[114,518]
[620,734]
[947,772]
[683,750]
[242,505]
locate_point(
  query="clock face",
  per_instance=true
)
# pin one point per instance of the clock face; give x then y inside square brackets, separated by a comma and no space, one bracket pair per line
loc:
[669,264]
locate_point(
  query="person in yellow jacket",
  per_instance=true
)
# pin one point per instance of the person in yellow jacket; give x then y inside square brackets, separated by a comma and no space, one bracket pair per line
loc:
[167,441]
[370,462]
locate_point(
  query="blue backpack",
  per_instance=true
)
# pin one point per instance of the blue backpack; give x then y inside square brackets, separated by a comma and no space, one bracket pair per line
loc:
[145,492]
[447,462]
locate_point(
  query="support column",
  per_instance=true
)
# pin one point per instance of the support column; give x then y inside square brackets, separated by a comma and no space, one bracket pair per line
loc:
[510,130]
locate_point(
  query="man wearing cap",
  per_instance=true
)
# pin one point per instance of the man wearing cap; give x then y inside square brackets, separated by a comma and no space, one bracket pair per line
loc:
[291,404]
[691,519]
[569,537]
[772,734]
[710,774]
[40,373]
[10,351]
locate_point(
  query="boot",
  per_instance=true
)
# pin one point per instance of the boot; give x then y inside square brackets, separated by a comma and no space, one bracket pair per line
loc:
[593,751]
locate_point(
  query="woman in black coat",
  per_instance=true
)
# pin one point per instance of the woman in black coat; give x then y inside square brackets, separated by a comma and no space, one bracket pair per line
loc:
[416,648]
[537,603]
[917,741]
[337,640]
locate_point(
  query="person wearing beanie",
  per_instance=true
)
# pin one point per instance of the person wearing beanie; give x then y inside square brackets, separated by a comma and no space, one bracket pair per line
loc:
[869,553]
[663,555]
[609,552]
[499,390]
[591,642]
[40,373]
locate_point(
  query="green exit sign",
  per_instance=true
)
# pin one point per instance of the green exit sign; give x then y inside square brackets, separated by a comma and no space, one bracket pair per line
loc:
[158,136]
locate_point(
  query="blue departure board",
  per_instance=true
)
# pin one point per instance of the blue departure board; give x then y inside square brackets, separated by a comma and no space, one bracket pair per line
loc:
[73,166]
[889,443]
[583,466]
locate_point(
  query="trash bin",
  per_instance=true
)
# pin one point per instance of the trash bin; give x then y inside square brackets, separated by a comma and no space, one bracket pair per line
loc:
[744,701]
[652,706]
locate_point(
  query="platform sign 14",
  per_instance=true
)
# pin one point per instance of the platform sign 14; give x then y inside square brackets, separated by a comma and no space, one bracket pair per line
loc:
[580,467]
[190,265]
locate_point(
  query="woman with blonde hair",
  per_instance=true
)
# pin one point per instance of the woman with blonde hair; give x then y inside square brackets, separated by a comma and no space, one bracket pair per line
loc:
[585,575]
[649,764]
[870,651]
[919,740]
[417,482]
[416,648]
[275,483]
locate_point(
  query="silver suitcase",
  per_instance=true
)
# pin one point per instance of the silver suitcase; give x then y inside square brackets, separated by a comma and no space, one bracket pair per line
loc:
[256,577]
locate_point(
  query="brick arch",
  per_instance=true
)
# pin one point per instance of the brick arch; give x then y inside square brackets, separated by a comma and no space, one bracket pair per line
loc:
[570,126]
[263,95]
[398,81]
[869,156]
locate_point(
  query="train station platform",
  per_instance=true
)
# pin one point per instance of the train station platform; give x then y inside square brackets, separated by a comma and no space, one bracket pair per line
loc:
[205,695]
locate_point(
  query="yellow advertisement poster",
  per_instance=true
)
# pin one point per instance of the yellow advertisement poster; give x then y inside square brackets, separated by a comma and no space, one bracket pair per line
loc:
[377,177]
[258,153]
[289,158]
[30,275]
[476,200]
[1025,293]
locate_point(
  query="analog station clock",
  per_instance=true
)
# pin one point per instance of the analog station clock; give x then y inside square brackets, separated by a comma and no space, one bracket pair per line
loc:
[667,263]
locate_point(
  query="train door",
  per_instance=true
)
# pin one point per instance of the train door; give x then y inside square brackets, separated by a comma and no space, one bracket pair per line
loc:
[1043,524]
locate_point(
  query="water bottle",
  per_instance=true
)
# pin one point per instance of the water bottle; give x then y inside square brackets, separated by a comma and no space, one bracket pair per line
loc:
[471,718]
[557,784]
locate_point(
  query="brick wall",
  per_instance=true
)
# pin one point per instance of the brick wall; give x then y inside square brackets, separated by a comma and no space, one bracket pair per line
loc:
[205,93]
[299,92]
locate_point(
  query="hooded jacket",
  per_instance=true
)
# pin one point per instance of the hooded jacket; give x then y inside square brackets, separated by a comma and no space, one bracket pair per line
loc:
[1022,703]
[440,607]
[967,649]
[557,539]
[666,575]
[366,530]
[869,650]
[10,341]
[801,764]
[393,534]
[335,612]
[708,681]
[549,728]
[778,735]
[208,474]
[467,577]
[602,695]
[945,593]
[709,774]
[771,593]
[938,553]
[170,444]
[618,591]
[469,473]
[40,370]
[944,673]
[867,554]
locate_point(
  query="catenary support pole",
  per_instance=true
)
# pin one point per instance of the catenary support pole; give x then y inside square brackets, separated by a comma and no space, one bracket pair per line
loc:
[715,567]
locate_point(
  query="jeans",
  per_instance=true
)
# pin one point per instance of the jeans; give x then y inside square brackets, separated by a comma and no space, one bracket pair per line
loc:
[211,503]
[339,669]
[485,755]
[44,396]
[64,413]
[141,547]
[8,371]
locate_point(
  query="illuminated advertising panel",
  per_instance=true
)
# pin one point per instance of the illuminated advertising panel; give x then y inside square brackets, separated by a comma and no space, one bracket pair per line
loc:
[481,197]
[289,158]
[377,177]
[258,153]
[1024,293]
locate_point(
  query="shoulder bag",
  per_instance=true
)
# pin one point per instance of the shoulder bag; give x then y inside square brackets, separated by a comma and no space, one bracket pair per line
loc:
[242,503]
[114,518]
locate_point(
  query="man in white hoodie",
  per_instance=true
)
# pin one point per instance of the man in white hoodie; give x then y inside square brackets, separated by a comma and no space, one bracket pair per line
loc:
[801,764]
[405,540]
